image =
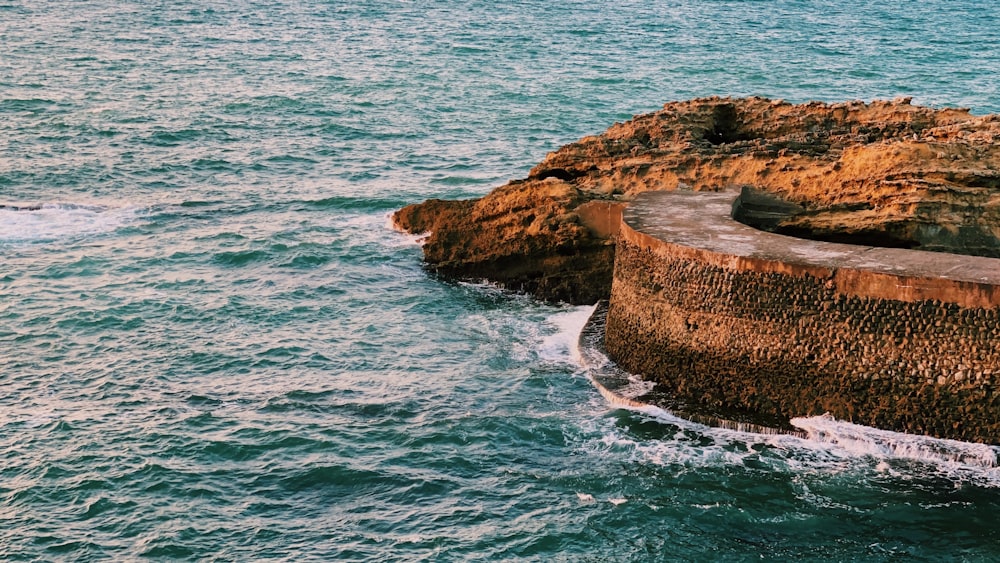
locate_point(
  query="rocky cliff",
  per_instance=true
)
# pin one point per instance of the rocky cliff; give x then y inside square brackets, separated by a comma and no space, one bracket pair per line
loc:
[881,173]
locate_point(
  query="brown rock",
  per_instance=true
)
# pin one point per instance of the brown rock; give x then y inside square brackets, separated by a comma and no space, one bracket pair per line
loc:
[523,236]
[884,173]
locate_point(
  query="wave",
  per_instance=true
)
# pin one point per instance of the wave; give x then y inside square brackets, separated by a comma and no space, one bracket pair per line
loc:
[409,239]
[349,203]
[865,441]
[20,222]
[562,346]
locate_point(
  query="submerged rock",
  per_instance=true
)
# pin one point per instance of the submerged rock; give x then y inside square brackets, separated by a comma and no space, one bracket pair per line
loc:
[885,173]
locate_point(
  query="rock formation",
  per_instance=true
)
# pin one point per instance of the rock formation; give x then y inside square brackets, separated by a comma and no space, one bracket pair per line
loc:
[746,326]
[881,173]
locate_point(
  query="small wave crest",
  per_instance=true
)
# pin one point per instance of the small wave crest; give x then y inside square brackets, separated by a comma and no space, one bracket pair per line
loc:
[865,441]
[54,221]
[658,437]
[563,345]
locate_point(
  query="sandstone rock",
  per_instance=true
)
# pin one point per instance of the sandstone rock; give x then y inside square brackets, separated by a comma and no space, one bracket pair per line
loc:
[880,173]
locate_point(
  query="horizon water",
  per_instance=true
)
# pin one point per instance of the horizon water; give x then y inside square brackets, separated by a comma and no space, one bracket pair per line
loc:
[213,345]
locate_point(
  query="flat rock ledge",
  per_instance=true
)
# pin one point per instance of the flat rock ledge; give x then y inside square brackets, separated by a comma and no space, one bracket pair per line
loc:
[722,315]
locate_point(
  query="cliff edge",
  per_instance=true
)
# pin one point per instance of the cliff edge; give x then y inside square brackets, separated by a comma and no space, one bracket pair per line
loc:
[884,173]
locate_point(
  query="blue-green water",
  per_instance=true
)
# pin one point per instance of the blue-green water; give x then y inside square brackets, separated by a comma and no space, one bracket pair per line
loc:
[212,345]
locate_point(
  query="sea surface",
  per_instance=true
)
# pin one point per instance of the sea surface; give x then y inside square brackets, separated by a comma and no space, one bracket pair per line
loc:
[213,345]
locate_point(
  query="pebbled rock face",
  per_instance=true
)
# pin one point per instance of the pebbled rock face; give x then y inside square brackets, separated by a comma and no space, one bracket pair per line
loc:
[882,173]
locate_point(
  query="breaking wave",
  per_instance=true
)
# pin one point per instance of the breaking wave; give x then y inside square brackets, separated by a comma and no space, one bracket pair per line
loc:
[55,221]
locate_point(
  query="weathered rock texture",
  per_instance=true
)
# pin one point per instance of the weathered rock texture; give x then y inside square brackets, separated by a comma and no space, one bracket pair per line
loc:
[764,328]
[887,173]
[529,236]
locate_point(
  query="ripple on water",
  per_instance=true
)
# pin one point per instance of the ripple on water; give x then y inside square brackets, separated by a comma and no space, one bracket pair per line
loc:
[215,347]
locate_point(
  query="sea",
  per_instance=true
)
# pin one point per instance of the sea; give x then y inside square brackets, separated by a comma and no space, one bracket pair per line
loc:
[215,347]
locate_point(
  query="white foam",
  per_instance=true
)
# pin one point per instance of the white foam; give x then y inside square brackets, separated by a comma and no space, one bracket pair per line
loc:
[681,447]
[832,448]
[56,221]
[829,446]
[882,444]
[563,345]
[418,239]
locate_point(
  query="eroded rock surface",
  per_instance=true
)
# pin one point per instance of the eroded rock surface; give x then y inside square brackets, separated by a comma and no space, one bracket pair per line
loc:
[882,173]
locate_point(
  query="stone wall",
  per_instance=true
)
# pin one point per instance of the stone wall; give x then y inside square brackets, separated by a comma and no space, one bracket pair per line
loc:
[735,332]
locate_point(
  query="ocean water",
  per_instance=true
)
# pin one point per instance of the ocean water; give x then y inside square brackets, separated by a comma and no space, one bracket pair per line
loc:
[213,346]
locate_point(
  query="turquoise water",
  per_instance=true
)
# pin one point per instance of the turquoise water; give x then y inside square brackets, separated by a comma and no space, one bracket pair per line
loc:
[214,347]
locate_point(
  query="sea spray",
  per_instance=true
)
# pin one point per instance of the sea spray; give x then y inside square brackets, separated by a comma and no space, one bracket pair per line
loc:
[864,441]
[61,220]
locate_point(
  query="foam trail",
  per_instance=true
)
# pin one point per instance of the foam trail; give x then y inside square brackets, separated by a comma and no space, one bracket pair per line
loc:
[862,440]
[54,221]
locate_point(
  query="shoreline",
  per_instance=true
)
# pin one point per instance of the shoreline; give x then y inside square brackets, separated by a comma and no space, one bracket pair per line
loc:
[623,389]
[626,391]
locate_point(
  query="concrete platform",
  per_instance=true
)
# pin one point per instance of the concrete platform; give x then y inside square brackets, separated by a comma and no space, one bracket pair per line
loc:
[703,220]
[748,326]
